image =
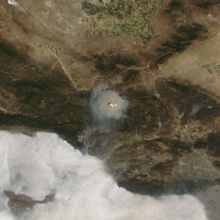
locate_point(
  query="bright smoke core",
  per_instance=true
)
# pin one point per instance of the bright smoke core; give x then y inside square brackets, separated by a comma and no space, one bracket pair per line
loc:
[107,103]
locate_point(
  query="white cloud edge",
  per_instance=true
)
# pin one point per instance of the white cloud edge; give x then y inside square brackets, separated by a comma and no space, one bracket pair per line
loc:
[83,189]
[12,2]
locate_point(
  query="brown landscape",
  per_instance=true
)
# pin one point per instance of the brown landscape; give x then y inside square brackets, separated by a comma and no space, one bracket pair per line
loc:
[169,139]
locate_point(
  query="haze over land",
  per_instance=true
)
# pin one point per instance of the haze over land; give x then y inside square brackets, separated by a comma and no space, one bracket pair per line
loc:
[156,124]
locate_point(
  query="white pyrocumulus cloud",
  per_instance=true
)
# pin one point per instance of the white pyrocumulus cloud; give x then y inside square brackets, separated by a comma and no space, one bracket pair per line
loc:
[12,2]
[107,103]
[39,165]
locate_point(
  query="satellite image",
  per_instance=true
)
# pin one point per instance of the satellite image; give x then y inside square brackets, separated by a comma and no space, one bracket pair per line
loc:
[110,110]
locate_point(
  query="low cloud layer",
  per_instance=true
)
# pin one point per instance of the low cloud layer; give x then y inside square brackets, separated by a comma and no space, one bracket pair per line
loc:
[107,103]
[44,164]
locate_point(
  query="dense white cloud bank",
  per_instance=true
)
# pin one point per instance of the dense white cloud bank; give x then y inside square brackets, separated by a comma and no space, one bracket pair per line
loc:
[39,165]
[107,103]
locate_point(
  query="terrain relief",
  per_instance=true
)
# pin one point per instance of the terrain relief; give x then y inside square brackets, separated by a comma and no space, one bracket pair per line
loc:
[110,110]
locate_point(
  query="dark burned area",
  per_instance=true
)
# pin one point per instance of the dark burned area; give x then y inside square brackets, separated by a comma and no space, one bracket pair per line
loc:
[181,40]
[143,183]
[186,30]
[33,86]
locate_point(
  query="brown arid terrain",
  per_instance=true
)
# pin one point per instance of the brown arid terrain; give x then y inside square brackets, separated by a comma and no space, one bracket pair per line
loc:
[54,53]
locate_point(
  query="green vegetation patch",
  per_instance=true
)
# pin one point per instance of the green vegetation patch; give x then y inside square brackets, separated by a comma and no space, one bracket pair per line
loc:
[207,66]
[48,51]
[122,16]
